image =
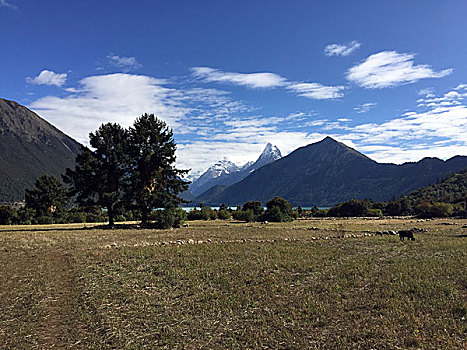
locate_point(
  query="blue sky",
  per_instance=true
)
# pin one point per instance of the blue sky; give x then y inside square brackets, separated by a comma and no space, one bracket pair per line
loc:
[385,77]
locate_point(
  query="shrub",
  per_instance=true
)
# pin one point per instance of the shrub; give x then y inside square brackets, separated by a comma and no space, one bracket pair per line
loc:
[255,206]
[275,214]
[92,217]
[224,214]
[195,214]
[7,214]
[244,215]
[278,210]
[374,213]
[77,217]
[167,218]
[24,216]
[429,210]
[45,220]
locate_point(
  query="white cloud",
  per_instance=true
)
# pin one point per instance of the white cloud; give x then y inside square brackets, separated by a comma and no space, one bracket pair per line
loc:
[317,91]
[109,98]
[426,91]
[250,80]
[341,49]
[389,68]
[125,63]
[365,107]
[47,77]
[4,3]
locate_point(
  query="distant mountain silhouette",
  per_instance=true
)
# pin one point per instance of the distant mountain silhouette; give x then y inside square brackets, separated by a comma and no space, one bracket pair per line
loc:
[225,173]
[328,172]
[29,148]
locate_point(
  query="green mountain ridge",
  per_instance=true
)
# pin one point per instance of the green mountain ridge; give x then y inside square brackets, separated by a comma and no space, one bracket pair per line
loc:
[29,148]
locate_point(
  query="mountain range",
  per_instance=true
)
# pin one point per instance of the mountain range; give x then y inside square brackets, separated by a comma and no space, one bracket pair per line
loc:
[323,173]
[226,173]
[29,148]
[328,172]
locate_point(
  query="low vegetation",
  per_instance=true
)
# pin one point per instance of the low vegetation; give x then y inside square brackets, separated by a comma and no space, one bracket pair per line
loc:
[316,283]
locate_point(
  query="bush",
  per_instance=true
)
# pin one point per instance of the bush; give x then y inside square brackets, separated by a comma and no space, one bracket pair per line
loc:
[374,213]
[45,220]
[92,217]
[255,206]
[77,217]
[25,216]
[275,214]
[168,218]
[224,214]
[7,214]
[278,210]
[430,210]
[195,214]
[353,207]
[244,215]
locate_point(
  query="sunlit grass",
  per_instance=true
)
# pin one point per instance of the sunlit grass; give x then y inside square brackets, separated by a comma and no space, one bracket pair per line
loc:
[244,286]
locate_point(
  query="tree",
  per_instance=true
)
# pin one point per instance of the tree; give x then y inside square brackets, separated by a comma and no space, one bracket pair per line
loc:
[7,214]
[255,206]
[154,180]
[48,196]
[278,209]
[100,176]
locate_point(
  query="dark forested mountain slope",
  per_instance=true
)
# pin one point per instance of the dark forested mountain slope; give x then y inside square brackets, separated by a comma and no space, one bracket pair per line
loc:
[29,147]
[329,172]
[452,189]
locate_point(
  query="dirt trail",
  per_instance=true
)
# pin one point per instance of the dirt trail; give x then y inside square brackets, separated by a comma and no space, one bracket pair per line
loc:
[58,328]
[38,299]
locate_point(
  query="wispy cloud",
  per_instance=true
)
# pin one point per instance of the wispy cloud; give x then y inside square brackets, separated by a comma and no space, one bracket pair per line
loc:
[47,77]
[317,91]
[365,107]
[4,3]
[109,98]
[127,64]
[388,69]
[341,49]
[250,80]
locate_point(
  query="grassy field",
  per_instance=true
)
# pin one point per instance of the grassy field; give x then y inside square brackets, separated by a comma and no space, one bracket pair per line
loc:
[216,285]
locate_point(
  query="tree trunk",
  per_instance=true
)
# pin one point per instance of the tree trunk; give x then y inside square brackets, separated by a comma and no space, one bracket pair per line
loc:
[110,212]
[144,215]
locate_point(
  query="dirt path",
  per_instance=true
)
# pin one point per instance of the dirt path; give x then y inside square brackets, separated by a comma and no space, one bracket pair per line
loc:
[38,299]
[58,328]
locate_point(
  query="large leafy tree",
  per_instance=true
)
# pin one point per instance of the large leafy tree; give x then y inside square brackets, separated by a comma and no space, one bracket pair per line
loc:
[154,180]
[100,175]
[48,196]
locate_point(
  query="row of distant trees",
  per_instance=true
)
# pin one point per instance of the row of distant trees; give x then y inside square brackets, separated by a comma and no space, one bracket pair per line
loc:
[277,210]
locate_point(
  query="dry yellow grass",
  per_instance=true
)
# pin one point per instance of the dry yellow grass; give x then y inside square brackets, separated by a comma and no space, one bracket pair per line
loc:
[235,285]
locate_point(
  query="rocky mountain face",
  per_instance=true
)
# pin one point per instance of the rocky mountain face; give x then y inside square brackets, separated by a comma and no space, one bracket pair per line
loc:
[226,173]
[29,148]
[328,172]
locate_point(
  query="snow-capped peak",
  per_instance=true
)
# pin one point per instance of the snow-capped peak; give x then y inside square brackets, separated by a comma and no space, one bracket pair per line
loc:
[270,154]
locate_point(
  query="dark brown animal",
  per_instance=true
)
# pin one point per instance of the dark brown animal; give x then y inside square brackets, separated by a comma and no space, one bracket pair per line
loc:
[407,234]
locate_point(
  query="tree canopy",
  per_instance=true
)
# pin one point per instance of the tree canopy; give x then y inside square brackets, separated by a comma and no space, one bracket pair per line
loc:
[128,168]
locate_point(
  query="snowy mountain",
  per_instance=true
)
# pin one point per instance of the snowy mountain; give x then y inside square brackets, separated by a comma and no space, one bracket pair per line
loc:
[269,155]
[215,173]
[227,173]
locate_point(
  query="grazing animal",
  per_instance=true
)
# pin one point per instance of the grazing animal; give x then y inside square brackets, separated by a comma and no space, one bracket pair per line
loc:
[407,234]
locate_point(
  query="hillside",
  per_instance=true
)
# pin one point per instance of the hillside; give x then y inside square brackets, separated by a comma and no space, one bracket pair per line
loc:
[329,172]
[29,147]
[452,189]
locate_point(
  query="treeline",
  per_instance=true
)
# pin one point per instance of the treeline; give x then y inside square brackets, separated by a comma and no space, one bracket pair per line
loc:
[129,172]
[277,210]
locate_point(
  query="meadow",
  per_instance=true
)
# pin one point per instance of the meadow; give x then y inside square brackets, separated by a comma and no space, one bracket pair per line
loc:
[313,284]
